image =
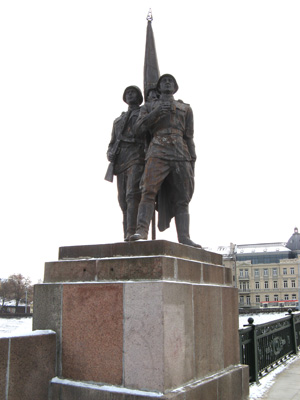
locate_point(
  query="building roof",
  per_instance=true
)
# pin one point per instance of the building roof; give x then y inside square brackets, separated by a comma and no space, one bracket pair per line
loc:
[294,241]
[262,248]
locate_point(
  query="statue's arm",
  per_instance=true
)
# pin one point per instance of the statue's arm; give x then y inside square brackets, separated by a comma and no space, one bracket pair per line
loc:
[148,116]
[109,153]
[189,134]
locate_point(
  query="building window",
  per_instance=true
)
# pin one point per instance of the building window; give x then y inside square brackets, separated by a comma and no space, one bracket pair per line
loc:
[285,284]
[275,285]
[257,299]
[266,285]
[293,283]
[286,297]
[267,297]
[266,272]
[241,286]
[274,271]
[256,273]
[241,273]
[256,285]
[248,301]
[284,271]
[292,270]
[275,297]
[294,297]
[241,299]
[246,273]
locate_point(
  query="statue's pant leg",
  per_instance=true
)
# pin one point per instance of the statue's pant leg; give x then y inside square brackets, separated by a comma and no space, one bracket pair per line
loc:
[133,197]
[183,187]
[156,170]
[121,185]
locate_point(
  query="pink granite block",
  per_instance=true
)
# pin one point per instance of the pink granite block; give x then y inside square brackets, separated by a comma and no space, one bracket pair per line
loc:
[230,326]
[70,271]
[92,332]
[228,276]
[213,274]
[245,382]
[230,385]
[208,390]
[209,351]
[188,271]
[4,342]
[143,336]
[31,366]
[179,362]
[130,268]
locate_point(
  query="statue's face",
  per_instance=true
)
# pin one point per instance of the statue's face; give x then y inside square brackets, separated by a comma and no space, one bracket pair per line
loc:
[131,97]
[167,85]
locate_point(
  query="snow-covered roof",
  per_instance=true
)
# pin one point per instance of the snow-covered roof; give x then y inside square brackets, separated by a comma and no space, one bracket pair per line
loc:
[262,248]
[223,250]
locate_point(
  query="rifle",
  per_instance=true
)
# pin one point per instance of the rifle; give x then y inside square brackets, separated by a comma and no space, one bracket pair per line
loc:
[109,176]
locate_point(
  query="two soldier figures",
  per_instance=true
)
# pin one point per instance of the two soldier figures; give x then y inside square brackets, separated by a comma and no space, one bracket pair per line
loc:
[153,155]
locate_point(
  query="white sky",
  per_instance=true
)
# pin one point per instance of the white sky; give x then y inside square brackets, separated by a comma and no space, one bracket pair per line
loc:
[63,68]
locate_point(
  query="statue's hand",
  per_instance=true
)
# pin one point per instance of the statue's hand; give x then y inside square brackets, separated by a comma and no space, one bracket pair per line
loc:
[162,109]
[166,107]
[110,156]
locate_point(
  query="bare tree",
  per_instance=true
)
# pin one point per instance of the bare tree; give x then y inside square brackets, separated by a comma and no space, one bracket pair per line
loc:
[19,288]
[4,291]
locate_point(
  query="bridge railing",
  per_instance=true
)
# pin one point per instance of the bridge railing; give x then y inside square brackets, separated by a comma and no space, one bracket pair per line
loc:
[264,346]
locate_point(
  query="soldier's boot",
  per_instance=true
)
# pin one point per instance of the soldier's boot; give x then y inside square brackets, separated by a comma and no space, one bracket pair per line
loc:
[131,221]
[145,214]
[183,228]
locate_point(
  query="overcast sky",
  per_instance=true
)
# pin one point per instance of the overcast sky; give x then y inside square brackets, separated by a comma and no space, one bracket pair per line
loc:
[63,68]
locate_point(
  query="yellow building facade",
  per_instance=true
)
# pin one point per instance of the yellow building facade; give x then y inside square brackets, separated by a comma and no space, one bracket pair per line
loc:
[266,274]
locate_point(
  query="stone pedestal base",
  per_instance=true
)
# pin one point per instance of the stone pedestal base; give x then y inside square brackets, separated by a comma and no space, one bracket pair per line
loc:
[230,384]
[154,319]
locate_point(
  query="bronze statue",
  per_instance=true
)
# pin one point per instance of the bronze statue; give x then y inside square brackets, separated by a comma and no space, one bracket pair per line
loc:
[170,160]
[126,153]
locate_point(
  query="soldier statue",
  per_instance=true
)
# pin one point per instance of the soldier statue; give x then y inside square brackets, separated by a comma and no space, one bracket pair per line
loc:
[170,160]
[126,153]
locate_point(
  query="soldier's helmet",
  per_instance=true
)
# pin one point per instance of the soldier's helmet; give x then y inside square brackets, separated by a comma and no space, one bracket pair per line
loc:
[158,82]
[140,96]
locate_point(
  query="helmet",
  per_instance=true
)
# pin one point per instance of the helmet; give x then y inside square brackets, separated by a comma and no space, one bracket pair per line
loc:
[140,96]
[176,85]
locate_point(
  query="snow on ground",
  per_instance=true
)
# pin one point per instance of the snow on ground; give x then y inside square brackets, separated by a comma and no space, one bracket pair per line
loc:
[257,392]
[15,326]
[260,318]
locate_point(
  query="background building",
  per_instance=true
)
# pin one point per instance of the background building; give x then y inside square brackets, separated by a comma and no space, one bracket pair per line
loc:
[266,274]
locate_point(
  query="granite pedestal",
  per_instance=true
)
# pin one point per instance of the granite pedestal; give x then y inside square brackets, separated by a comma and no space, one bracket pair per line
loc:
[142,319]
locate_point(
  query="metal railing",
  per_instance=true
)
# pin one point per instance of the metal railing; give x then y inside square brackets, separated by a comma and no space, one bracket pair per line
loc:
[264,346]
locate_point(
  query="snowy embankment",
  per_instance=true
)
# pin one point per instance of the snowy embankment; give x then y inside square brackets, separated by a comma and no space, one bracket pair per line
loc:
[15,326]
[260,318]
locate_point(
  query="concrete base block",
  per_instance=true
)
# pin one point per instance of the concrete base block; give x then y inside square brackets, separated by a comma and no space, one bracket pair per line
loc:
[230,384]
[27,363]
[149,317]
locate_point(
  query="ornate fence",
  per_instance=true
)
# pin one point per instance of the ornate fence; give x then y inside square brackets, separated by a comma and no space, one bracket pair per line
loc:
[264,346]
